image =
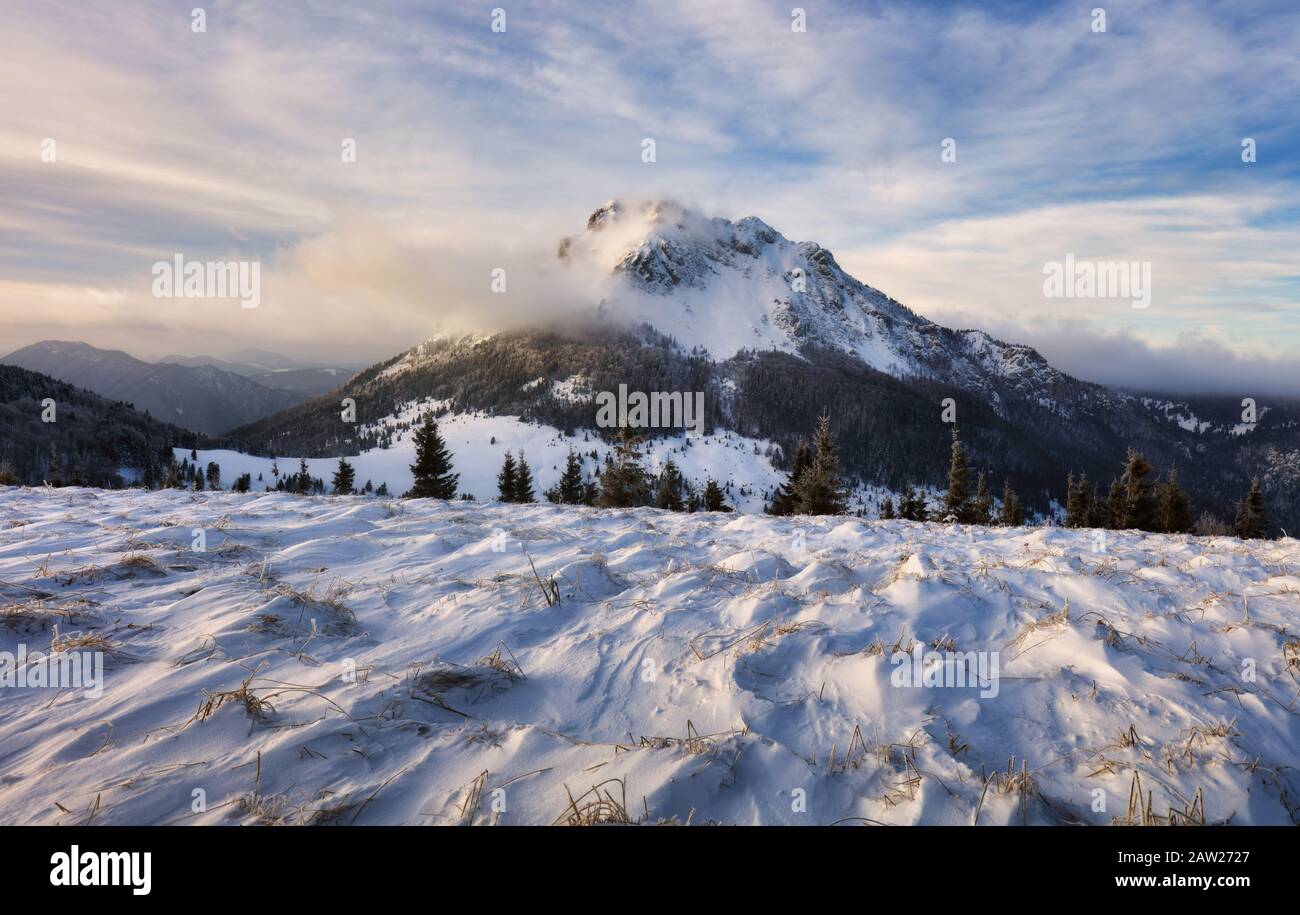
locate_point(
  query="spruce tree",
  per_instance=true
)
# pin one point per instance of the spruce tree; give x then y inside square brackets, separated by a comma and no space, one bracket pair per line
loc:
[8,477]
[786,499]
[1139,506]
[820,490]
[887,510]
[1012,513]
[714,500]
[624,484]
[432,467]
[523,481]
[912,506]
[213,474]
[1173,511]
[1115,506]
[1252,518]
[1096,508]
[506,479]
[571,490]
[669,494]
[956,502]
[1078,508]
[980,510]
[345,478]
[244,482]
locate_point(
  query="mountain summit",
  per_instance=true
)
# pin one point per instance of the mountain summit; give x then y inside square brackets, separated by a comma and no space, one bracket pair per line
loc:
[726,287]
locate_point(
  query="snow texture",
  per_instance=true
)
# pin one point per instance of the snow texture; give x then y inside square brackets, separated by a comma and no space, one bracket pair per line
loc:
[707,667]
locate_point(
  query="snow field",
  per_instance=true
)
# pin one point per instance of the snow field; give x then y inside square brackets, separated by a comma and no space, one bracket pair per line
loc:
[357,660]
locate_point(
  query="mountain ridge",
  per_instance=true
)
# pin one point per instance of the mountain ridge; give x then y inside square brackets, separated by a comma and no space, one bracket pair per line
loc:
[203,398]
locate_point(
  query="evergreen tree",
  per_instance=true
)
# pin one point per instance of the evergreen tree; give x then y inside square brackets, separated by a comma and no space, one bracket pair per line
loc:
[1252,518]
[1012,513]
[213,474]
[8,477]
[981,507]
[432,467]
[1115,506]
[887,510]
[1098,515]
[623,484]
[524,481]
[572,489]
[1139,506]
[714,501]
[382,490]
[173,478]
[669,494]
[786,499]
[344,478]
[302,483]
[955,504]
[820,490]
[506,479]
[1173,511]
[1078,508]
[244,482]
[911,506]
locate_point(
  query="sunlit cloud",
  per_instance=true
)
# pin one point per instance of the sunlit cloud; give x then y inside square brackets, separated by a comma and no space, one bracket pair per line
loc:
[477,149]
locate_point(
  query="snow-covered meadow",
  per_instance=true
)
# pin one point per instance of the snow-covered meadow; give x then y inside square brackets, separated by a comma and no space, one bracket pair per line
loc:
[356,660]
[478,442]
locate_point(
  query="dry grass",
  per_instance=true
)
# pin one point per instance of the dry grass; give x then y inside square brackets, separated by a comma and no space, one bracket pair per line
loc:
[597,806]
[1059,619]
[256,707]
[340,620]
[492,674]
[36,616]
[1141,809]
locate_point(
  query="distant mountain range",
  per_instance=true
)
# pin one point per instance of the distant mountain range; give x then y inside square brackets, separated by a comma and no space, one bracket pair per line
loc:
[198,393]
[775,332]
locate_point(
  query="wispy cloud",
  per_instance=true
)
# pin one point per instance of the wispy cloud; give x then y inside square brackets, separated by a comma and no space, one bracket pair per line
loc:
[475,146]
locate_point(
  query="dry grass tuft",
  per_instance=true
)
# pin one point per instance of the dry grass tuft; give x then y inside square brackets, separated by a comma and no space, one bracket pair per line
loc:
[492,674]
[597,807]
[1141,809]
[36,616]
[256,707]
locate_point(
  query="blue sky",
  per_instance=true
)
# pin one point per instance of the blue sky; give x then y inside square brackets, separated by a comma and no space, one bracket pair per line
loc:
[475,146]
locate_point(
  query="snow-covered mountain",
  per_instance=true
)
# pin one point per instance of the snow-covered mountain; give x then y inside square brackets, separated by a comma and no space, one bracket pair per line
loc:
[774,333]
[725,287]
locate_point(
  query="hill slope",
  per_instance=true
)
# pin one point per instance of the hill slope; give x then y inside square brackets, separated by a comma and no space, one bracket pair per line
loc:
[93,439]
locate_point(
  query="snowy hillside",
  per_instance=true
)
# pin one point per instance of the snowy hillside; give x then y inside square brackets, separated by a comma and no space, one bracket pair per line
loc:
[478,443]
[352,660]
